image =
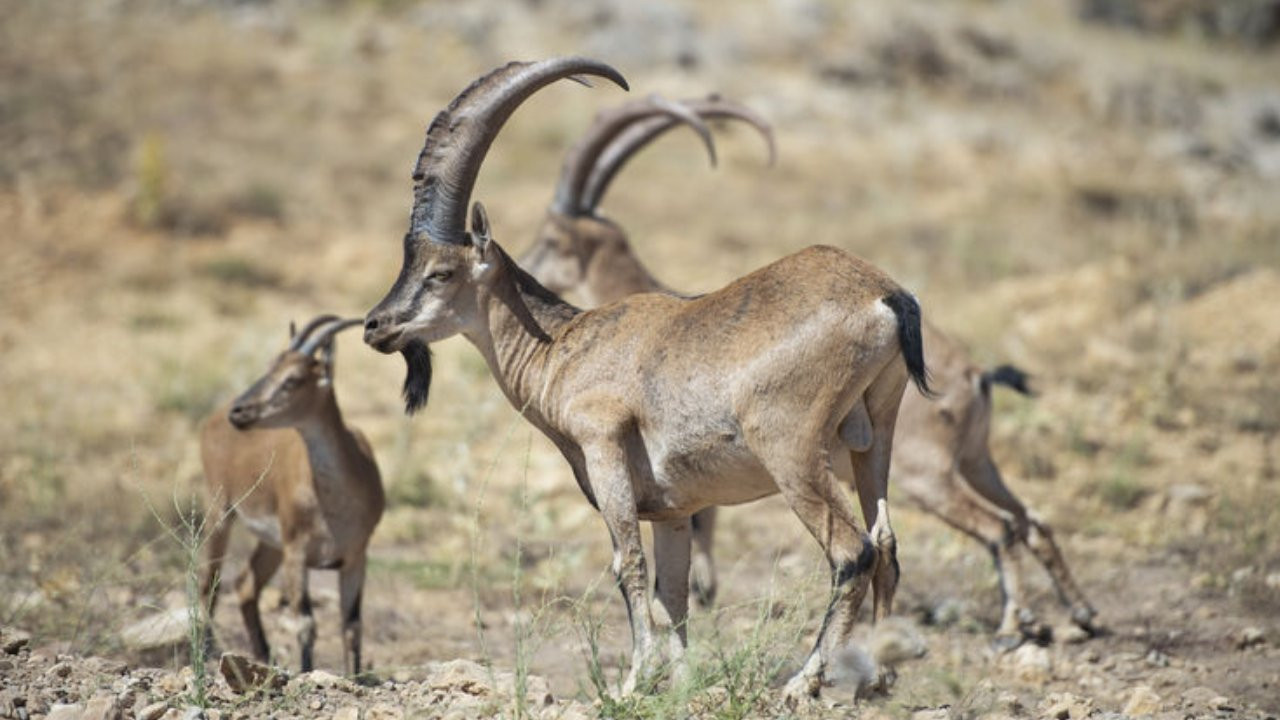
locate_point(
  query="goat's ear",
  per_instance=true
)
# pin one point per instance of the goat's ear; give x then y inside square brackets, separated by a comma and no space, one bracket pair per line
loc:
[481,237]
[325,355]
[480,232]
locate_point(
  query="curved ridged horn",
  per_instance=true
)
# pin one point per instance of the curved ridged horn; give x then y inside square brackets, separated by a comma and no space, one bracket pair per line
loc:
[315,322]
[608,125]
[640,134]
[460,136]
[319,338]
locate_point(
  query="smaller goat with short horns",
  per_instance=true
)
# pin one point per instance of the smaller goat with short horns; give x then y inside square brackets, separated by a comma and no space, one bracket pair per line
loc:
[280,458]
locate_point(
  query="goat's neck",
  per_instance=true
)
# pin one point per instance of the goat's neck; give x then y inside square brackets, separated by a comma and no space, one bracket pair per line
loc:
[520,321]
[338,464]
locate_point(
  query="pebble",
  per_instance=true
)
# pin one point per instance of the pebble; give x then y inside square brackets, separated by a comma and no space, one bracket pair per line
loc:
[62,670]
[1142,701]
[61,711]
[348,712]
[152,711]
[244,674]
[1032,664]
[14,641]
[102,707]
[383,711]
[1251,637]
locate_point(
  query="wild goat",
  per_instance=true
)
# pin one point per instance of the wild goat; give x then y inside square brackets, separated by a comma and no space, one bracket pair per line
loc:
[305,483]
[941,459]
[783,381]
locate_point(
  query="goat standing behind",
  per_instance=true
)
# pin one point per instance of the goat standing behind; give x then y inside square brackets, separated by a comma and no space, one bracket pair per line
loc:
[280,458]
[941,458]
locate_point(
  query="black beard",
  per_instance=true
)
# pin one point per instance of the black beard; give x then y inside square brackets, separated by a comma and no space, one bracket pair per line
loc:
[417,381]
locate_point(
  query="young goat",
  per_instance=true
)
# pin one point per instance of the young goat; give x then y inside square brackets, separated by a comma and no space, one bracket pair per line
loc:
[786,380]
[941,459]
[281,459]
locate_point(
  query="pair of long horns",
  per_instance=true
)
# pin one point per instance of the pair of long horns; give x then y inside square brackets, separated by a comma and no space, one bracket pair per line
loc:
[459,138]
[318,331]
[617,135]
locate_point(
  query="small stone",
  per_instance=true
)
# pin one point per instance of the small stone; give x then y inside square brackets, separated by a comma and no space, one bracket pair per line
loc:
[60,711]
[193,713]
[1066,706]
[324,679]
[7,666]
[383,711]
[62,670]
[1071,634]
[1142,701]
[13,641]
[152,711]
[1251,637]
[243,674]
[1272,580]
[1009,703]
[1032,664]
[347,712]
[1155,658]
[460,676]
[316,704]
[102,707]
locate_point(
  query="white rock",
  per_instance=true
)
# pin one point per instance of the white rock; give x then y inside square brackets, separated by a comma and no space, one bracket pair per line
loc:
[61,711]
[161,630]
[1142,701]
[1032,663]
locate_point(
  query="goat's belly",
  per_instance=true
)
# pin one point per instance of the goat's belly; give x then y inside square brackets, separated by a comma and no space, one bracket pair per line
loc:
[680,487]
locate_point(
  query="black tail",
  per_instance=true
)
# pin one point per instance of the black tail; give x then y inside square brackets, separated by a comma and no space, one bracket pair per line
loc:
[905,307]
[1008,376]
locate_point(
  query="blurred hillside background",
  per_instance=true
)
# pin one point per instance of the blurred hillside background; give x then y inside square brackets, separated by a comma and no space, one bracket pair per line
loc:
[1088,189]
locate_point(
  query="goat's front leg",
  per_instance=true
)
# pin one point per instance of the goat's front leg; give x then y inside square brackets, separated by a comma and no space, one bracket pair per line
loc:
[671,545]
[299,617]
[611,484]
[350,589]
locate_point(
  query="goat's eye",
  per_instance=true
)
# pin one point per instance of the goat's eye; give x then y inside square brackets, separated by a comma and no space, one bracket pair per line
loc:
[292,383]
[440,276]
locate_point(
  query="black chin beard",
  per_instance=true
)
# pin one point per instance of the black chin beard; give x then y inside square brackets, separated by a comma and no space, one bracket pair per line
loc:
[417,381]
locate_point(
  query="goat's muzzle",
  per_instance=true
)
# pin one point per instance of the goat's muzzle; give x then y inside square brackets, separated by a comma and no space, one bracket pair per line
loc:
[381,333]
[242,416]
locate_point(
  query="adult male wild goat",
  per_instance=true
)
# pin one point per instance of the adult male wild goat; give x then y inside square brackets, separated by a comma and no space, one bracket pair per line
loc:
[782,381]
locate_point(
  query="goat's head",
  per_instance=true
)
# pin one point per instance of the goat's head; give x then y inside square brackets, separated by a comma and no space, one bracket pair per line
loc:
[574,233]
[446,267]
[297,380]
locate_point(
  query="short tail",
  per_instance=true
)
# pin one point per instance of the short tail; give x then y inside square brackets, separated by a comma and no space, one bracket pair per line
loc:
[1008,376]
[904,306]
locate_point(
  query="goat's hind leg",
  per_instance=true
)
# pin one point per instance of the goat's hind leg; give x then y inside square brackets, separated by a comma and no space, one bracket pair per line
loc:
[702,571]
[814,493]
[948,499]
[879,404]
[671,540]
[984,477]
